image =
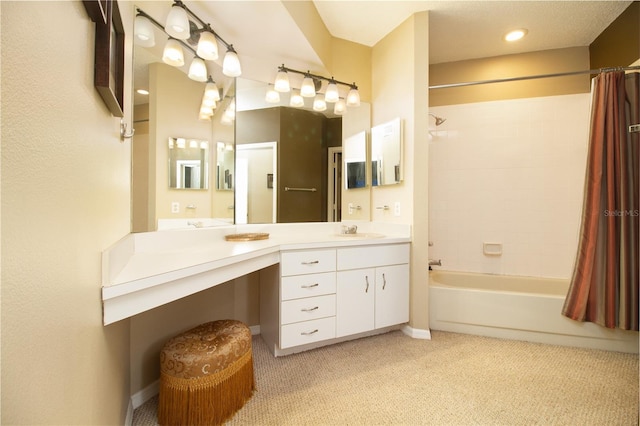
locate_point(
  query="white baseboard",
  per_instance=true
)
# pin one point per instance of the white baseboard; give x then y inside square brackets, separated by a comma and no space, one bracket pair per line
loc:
[142,396]
[128,420]
[417,333]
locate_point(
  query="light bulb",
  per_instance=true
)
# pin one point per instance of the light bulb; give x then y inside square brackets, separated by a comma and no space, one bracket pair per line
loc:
[353,98]
[282,82]
[272,96]
[340,108]
[177,24]
[331,94]
[231,64]
[172,54]
[207,46]
[211,91]
[319,103]
[198,70]
[296,100]
[144,35]
[308,88]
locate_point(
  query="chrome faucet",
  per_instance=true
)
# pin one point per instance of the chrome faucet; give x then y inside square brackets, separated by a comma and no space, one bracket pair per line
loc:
[435,262]
[197,224]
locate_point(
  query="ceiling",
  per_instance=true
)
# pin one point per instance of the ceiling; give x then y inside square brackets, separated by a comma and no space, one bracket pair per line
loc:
[265,35]
[461,30]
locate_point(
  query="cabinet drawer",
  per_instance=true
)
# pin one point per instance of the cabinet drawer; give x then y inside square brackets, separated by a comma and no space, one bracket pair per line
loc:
[307,262]
[297,286]
[301,333]
[372,256]
[309,308]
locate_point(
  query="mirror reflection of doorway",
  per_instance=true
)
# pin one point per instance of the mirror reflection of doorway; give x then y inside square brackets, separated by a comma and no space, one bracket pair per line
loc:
[334,196]
[256,183]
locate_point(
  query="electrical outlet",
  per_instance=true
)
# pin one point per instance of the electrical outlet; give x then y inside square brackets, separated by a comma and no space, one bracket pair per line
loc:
[396,208]
[175,207]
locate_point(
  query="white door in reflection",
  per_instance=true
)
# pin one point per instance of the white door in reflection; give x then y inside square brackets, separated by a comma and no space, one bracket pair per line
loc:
[256,185]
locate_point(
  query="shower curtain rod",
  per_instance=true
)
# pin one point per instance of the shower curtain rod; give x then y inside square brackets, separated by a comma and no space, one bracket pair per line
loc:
[532,77]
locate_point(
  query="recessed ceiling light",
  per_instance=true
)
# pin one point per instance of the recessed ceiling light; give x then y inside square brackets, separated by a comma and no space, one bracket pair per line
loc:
[142,91]
[515,34]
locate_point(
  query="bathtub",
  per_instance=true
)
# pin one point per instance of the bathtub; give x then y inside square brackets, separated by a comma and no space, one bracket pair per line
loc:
[520,308]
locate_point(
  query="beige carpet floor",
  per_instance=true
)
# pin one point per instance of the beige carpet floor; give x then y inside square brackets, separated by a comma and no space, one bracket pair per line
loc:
[453,379]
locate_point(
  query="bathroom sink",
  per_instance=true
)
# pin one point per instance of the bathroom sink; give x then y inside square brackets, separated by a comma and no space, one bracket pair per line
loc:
[363,235]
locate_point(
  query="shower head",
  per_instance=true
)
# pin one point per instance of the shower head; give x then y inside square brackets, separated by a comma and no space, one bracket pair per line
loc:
[439,120]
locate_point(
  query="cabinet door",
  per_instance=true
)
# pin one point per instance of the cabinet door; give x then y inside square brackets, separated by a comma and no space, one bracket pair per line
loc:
[355,301]
[392,295]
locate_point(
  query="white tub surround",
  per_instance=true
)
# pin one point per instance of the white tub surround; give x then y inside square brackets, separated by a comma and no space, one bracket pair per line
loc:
[519,308]
[146,270]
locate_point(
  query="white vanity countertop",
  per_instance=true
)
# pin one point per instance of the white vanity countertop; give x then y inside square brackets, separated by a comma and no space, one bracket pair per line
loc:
[145,262]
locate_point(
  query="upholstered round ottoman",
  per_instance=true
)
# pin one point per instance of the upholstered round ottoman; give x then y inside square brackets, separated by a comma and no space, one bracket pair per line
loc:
[206,374]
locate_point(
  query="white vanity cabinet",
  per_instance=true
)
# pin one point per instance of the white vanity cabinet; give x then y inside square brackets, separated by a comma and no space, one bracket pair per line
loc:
[321,296]
[298,307]
[372,288]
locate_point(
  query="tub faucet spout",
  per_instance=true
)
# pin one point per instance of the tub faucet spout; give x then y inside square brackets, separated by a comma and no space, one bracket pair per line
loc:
[435,262]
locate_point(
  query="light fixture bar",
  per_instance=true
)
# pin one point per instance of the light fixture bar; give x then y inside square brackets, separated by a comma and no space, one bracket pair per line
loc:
[317,77]
[205,26]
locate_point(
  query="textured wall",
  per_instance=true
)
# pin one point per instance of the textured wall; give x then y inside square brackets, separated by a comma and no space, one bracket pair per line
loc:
[65,198]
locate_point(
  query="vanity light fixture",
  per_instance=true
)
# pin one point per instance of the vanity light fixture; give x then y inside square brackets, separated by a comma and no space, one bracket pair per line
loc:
[198,70]
[296,100]
[311,83]
[308,88]
[144,35]
[211,90]
[231,63]
[142,91]
[172,53]
[515,34]
[273,97]
[177,25]
[207,45]
[184,31]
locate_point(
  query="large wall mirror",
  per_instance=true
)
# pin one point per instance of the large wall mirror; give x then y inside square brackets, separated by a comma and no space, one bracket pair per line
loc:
[180,172]
[299,178]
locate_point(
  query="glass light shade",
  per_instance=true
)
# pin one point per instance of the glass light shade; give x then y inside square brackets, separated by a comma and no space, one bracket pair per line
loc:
[172,54]
[204,117]
[209,103]
[308,88]
[272,96]
[211,91]
[319,103]
[282,82]
[340,108]
[198,70]
[180,142]
[331,94]
[177,24]
[204,145]
[296,100]
[144,35]
[193,144]
[207,46]
[353,98]
[231,64]
[206,110]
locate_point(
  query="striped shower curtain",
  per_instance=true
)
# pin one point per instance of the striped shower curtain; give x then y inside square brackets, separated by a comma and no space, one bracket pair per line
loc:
[605,281]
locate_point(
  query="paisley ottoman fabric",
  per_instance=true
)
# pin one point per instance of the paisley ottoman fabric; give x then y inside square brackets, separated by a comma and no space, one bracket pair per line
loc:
[206,374]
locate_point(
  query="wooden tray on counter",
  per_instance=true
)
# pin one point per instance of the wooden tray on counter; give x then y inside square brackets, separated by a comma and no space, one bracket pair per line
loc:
[251,236]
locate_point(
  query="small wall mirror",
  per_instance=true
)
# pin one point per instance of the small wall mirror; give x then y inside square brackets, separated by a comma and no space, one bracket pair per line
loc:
[355,160]
[224,166]
[188,163]
[386,153]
